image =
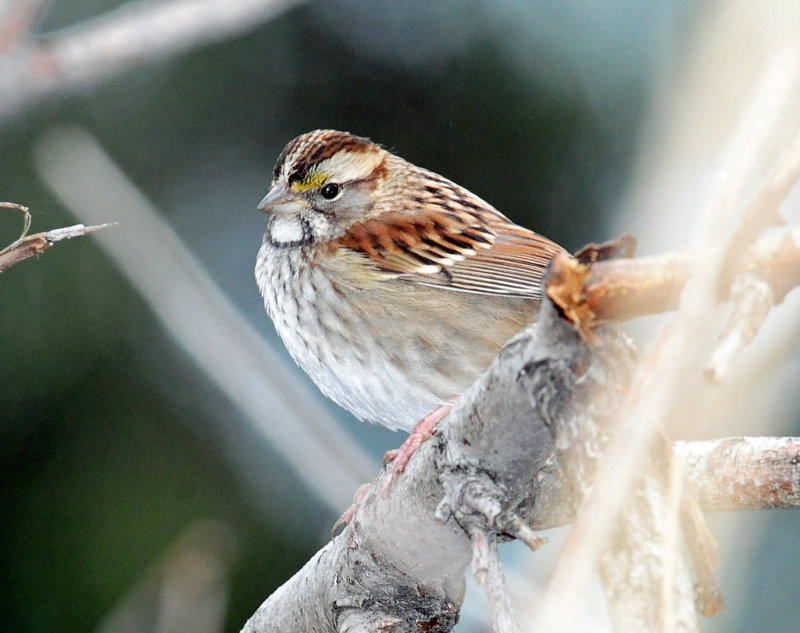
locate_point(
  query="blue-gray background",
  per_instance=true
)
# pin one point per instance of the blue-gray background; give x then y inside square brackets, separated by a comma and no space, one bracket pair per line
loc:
[111,436]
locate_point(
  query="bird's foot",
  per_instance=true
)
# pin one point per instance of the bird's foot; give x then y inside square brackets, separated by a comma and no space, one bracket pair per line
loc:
[399,456]
[399,459]
[348,514]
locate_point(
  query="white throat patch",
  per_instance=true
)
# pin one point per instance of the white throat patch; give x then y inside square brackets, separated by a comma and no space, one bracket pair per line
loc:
[287,230]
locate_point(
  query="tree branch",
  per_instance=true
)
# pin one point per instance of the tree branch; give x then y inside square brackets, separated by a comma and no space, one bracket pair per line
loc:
[620,289]
[397,567]
[29,245]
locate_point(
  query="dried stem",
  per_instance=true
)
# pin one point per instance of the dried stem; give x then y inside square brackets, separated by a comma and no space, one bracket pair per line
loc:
[487,569]
[29,245]
[26,223]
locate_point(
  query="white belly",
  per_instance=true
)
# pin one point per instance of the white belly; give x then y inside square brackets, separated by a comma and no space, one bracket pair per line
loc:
[333,342]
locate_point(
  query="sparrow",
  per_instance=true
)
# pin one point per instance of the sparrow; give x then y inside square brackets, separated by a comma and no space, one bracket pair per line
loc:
[391,286]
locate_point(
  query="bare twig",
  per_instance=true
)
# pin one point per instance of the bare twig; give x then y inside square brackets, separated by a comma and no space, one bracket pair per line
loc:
[734,473]
[619,289]
[763,210]
[753,472]
[26,223]
[752,296]
[488,571]
[29,245]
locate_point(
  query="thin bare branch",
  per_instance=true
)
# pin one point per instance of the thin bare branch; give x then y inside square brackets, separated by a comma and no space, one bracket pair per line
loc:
[619,289]
[135,34]
[759,473]
[752,300]
[751,473]
[29,245]
[26,223]
[763,210]
[487,569]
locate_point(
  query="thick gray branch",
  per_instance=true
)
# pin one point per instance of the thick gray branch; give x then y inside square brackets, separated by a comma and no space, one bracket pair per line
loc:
[396,566]
[491,466]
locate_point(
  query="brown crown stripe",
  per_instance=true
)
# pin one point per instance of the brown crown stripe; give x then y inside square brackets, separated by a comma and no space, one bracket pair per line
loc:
[290,146]
[320,146]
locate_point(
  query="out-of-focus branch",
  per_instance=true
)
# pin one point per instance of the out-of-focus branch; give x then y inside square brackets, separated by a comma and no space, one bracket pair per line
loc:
[137,33]
[16,21]
[732,473]
[29,245]
[186,589]
[743,473]
[664,373]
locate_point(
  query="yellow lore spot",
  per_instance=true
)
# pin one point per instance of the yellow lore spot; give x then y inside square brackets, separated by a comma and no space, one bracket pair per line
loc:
[312,179]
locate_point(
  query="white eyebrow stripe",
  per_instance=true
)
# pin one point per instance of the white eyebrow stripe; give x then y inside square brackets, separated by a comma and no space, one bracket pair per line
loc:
[346,166]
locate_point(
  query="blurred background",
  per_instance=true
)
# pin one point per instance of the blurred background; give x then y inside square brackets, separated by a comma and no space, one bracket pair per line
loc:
[164,465]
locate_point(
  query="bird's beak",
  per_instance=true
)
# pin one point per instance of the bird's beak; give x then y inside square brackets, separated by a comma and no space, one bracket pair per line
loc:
[281,201]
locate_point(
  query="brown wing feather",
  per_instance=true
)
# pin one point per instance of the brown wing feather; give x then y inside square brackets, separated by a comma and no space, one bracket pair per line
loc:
[466,249]
[513,266]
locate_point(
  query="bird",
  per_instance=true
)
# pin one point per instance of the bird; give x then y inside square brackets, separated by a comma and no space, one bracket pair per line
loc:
[391,286]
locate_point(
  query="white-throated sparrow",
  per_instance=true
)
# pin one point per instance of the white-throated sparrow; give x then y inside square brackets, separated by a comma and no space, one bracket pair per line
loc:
[391,286]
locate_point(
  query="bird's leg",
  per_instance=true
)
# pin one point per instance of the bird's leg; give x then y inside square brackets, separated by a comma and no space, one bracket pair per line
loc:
[348,514]
[399,457]
[421,432]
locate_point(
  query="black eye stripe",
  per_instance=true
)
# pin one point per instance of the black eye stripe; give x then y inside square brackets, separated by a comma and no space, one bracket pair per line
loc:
[299,173]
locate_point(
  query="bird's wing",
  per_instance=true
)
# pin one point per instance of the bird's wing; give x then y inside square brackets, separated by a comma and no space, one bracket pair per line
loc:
[470,248]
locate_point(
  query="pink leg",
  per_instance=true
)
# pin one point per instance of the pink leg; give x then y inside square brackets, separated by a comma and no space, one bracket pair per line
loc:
[348,514]
[399,458]
[421,432]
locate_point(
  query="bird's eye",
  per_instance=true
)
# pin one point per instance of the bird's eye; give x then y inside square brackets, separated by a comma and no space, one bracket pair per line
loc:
[330,191]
